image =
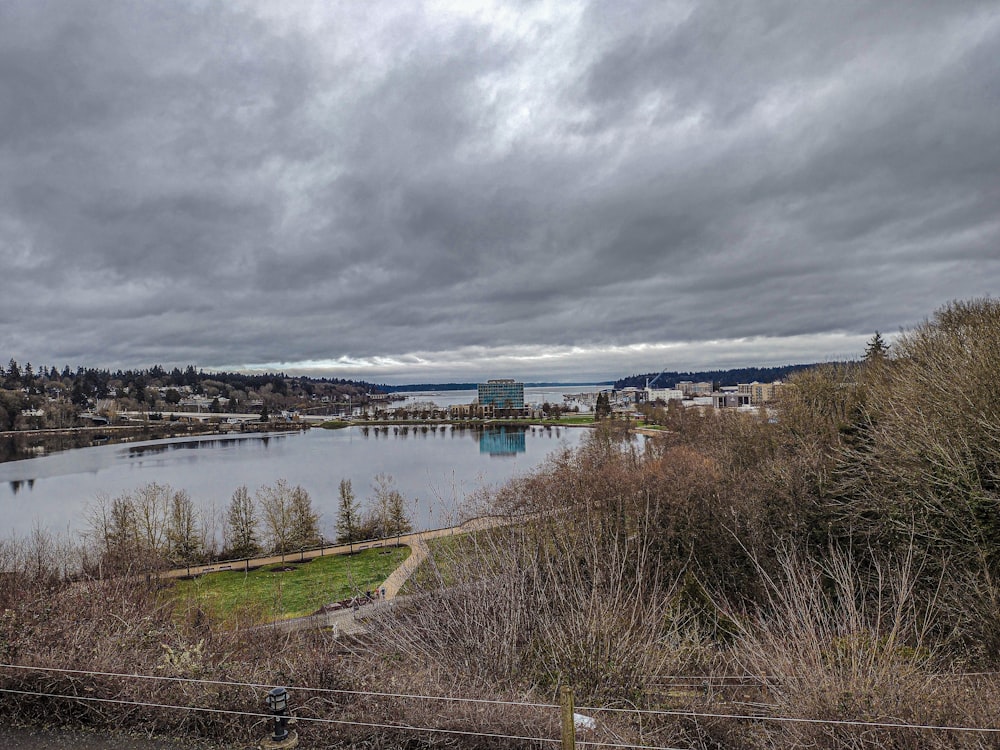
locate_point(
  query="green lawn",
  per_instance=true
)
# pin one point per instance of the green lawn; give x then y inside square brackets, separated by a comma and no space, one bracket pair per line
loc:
[577,419]
[335,424]
[291,590]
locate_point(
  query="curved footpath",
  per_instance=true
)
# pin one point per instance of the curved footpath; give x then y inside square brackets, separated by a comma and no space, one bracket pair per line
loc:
[408,540]
[347,621]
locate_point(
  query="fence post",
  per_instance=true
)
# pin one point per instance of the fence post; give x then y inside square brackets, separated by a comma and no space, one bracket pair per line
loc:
[568,729]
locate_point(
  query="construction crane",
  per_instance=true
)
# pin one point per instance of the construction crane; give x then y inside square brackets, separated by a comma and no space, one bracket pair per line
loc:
[649,383]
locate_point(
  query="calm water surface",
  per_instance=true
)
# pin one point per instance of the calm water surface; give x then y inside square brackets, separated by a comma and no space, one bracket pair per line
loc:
[434,470]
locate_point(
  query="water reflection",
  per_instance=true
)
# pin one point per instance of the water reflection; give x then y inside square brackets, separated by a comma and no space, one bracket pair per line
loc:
[440,464]
[138,451]
[17,484]
[503,441]
[492,440]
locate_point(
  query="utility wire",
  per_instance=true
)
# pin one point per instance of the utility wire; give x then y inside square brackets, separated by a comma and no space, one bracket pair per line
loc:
[167,678]
[588,709]
[791,719]
[228,712]
[634,747]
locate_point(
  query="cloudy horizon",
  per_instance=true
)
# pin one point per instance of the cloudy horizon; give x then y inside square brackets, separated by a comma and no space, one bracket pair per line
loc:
[447,191]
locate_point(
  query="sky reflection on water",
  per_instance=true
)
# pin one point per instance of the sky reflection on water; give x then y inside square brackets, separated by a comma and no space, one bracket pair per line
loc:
[434,469]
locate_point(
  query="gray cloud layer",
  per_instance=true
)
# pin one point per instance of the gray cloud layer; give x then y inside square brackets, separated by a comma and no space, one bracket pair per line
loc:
[412,191]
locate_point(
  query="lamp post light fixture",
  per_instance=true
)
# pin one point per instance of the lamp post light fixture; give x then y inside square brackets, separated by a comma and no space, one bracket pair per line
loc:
[277,703]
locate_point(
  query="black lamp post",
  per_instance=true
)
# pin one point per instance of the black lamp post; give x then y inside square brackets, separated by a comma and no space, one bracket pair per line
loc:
[277,703]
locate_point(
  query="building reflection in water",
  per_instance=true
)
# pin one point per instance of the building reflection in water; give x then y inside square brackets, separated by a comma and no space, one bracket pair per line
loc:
[502,441]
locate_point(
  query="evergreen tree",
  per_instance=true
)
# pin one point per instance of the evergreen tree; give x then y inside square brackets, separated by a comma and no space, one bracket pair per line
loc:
[183,541]
[877,349]
[398,517]
[602,409]
[13,374]
[305,521]
[348,515]
[241,525]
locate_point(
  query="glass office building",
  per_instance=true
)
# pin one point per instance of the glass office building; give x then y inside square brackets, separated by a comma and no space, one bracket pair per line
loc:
[502,394]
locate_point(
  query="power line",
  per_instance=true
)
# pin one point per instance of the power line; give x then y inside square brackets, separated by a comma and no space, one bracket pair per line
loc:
[229,712]
[792,719]
[587,709]
[631,747]
[224,683]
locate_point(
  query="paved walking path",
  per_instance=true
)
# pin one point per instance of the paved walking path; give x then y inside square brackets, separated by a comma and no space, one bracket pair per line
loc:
[349,621]
[407,540]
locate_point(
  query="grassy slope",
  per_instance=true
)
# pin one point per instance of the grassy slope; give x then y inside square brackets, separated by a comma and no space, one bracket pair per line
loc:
[277,593]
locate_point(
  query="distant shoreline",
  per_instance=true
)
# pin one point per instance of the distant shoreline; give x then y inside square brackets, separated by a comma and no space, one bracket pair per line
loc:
[473,386]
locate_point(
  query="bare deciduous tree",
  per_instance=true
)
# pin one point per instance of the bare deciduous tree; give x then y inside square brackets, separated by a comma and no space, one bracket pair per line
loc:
[276,513]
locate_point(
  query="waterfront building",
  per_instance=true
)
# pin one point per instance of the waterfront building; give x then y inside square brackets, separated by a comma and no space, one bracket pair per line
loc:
[505,396]
[470,411]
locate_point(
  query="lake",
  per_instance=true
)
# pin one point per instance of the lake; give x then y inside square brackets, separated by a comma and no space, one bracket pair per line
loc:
[434,469]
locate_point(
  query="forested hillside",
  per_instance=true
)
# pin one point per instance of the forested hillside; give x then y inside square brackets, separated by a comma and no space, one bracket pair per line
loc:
[719,377]
[46,397]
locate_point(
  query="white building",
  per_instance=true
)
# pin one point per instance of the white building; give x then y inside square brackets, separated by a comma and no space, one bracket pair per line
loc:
[664,394]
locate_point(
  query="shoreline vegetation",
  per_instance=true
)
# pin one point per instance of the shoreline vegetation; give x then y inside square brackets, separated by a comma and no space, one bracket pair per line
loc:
[826,578]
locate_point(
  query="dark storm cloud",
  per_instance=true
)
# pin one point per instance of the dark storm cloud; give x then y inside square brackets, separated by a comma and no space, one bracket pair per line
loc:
[426,191]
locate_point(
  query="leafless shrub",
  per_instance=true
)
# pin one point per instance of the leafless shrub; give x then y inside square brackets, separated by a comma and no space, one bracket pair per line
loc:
[572,596]
[839,641]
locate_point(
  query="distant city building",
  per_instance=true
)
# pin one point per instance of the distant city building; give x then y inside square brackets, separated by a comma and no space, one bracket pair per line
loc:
[663,394]
[730,399]
[503,395]
[760,393]
[692,389]
[470,411]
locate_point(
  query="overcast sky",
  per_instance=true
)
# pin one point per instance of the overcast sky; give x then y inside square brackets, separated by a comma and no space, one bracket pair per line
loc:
[410,192]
